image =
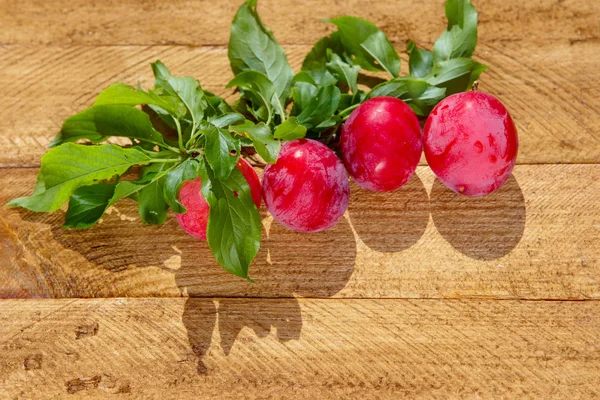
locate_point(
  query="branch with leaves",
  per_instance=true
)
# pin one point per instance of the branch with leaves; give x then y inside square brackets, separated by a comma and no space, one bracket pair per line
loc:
[179,132]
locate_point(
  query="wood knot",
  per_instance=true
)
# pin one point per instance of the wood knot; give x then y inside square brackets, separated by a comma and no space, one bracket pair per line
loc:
[87,330]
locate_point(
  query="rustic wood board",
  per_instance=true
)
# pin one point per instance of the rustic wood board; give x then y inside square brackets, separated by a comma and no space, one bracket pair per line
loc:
[415,294]
[549,90]
[537,238]
[271,349]
[205,22]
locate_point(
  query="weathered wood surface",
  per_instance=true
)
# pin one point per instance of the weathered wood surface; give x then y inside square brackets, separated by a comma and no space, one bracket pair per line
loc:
[306,349]
[537,238]
[551,90]
[205,22]
[386,305]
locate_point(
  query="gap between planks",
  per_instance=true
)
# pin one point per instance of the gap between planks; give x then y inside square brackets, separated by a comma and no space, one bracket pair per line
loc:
[334,299]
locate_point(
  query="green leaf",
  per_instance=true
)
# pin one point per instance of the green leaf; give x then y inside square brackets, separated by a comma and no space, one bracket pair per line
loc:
[186,171]
[455,75]
[460,37]
[217,106]
[417,93]
[69,166]
[191,94]
[262,139]
[161,77]
[344,72]
[321,107]
[123,94]
[253,47]
[290,130]
[228,119]
[98,123]
[420,61]
[88,204]
[234,225]
[40,185]
[152,206]
[260,90]
[348,100]
[199,103]
[315,62]
[304,76]
[222,151]
[370,47]
[380,48]
[303,93]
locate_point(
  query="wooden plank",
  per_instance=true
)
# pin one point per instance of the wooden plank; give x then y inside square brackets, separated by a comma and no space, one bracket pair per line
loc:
[204,22]
[537,238]
[267,349]
[551,91]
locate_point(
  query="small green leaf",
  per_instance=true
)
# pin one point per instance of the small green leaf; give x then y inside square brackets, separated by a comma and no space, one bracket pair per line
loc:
[253,47]
[420,61]
[152,205]
[257,87]
[455,75]
[344,72]
[315,62]
[234,225]
[222,151]
[88,204]
[303,93]
[186,171]
[199,103]
[217,106]
[348,100]
[417,93]
[321,107]
[228,119]
[69,166]
[380,48]
[304,76]
[370,47]
[290,130]
[98,123]
[161,77]
[191,94]
[122,94]
[262,139]
[460,38]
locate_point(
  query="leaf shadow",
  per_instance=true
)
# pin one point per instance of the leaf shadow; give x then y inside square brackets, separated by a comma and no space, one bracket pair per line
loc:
[289,264]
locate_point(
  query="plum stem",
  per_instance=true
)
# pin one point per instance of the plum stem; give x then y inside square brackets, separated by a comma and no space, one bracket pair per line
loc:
[179,134]
[349,109]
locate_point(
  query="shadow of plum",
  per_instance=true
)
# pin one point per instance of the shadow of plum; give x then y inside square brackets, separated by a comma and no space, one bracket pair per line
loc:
[483,228]
[390,221]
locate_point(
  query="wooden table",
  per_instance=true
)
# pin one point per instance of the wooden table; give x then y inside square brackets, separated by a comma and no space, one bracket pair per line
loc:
[416,293]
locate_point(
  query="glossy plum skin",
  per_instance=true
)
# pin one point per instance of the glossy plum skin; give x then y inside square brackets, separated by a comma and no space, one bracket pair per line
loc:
[381,144]
[471,143]
[307,189]
[195,220]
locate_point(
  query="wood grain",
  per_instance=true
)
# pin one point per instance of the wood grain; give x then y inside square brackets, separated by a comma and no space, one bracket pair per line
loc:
[387,305]
[271,349]
[551,91]
[203,22]
[536,238]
